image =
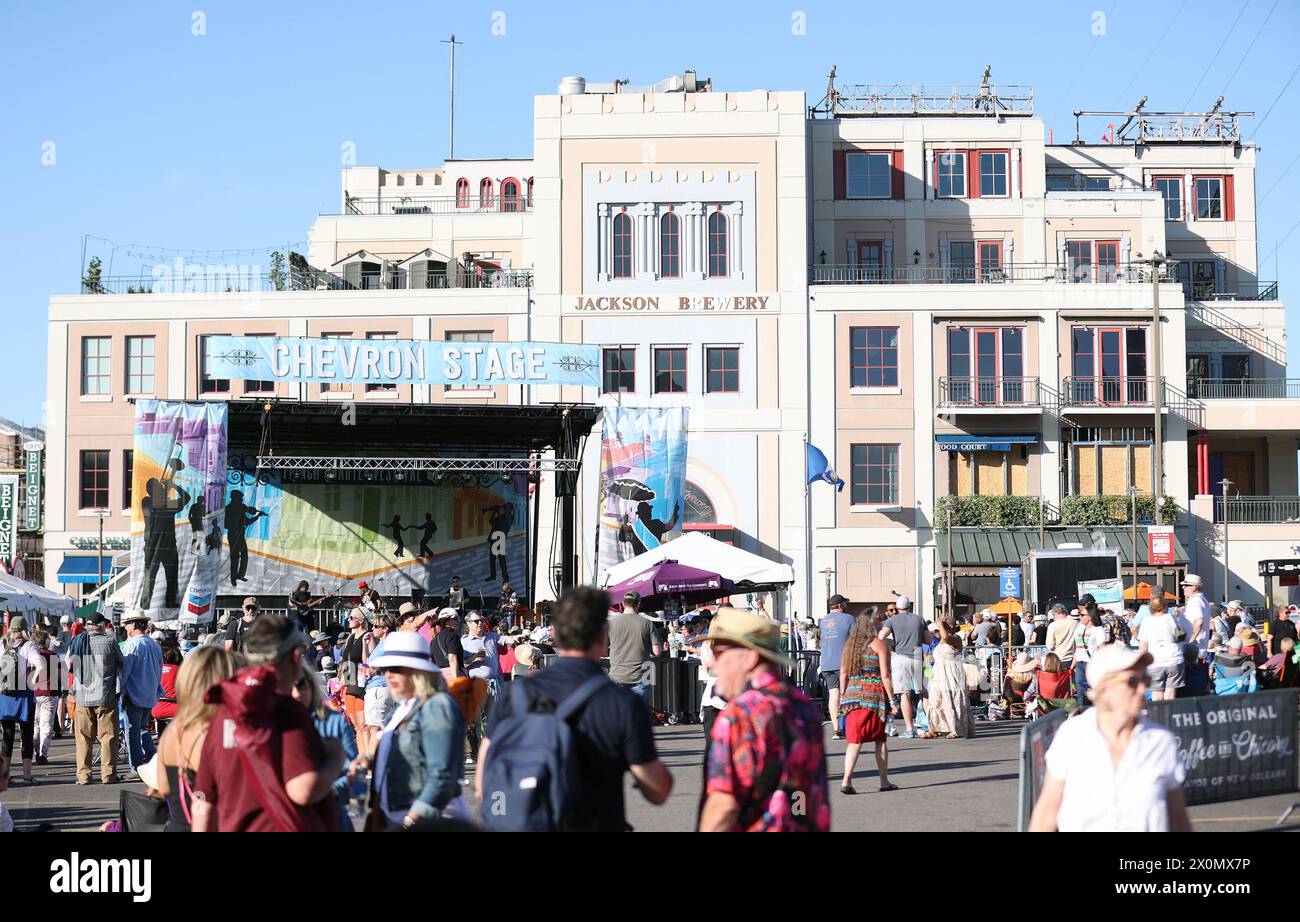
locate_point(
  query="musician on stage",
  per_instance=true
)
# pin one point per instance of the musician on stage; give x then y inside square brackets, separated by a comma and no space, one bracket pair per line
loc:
[456,595]
[302,606]
[508,602]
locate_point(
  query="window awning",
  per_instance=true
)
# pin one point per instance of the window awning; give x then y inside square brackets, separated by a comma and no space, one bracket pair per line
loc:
[983,442]
[85,569]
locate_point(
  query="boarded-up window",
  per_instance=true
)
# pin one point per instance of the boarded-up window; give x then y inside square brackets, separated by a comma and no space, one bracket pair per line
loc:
[991,476]
[1142,468]
[1085,466]
[1114,470]
[1019,472]
[961,473]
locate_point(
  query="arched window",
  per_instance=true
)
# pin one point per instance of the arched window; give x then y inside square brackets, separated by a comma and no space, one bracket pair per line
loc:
[529,202]
[485,194]
[670,247]
[462,193]
[622,246]
[510,195]
[717,245]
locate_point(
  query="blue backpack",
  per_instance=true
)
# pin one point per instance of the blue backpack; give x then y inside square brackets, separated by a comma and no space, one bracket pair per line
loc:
[530,774]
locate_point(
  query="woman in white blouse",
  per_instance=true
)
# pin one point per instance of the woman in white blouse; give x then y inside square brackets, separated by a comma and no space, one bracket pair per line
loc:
[1110,769]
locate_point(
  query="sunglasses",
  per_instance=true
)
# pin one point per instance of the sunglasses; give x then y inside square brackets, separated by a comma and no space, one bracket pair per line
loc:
[250,608]
[1134,680]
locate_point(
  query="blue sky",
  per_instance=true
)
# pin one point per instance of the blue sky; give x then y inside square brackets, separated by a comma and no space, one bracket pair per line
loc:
[232,139]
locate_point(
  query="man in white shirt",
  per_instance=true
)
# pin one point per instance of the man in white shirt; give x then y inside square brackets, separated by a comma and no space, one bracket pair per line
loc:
[1197,610]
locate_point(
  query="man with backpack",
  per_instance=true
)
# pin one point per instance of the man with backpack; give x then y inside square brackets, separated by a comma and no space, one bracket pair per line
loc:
[238,628]
[264,766]
[559,739]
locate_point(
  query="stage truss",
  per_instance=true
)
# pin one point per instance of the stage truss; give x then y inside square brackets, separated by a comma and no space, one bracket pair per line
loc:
[422,465]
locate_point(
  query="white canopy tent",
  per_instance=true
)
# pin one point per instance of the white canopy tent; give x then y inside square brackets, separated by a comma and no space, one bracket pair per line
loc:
[18,595]
[749,572]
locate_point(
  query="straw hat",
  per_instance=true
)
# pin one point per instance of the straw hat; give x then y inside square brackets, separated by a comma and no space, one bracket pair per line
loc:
[526,654]
[748,630]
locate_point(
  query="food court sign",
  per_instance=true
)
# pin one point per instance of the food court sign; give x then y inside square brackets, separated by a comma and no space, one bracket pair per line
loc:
[400,361]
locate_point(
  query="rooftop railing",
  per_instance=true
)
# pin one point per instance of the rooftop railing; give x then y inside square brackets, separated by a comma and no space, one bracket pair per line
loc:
[1242,291]
[1000,274]
[385,279]
[398,204]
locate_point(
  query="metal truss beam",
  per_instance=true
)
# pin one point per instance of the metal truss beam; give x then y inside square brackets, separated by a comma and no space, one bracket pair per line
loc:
[436,465]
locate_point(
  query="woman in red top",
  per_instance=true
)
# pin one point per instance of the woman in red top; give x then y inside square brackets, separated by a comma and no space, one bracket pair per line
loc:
[165,709]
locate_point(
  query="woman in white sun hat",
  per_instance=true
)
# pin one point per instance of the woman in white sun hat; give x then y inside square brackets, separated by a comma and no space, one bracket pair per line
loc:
[1110,769]
[417,765]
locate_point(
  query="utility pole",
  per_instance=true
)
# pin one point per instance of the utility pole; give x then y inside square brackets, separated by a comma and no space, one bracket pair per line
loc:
[1133,515]
[1157,262]
[1225,483]
[451,108]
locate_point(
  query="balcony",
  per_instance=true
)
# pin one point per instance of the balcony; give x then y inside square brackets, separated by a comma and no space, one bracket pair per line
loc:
[1243,389]
[1004,274]
[990,393]
[430,205]
[1242,291]
[1110,392]
[1258,510]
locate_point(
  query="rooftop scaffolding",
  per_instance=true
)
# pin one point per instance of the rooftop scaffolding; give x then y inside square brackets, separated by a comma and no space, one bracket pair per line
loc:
[901,99]
[1142,127]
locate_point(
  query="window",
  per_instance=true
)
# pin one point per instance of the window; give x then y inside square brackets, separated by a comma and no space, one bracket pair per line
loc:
[485,193]
[722,370]
[95,373]
[1057,182]
[209,385]
[1078,259]
[1105,460]
[670,247]
[139,364]
[873,357]
[462,193]
[874,475]
[622,245]
[1107,260]
[1209,198]
[94,480]
[466,336]
[529,203]
[252,386]
[989,473]
[993,173]
[1171,187]
[510,195]
[961,261]
[717,245]
[986,366]
[1205,278]
[670,370]
[1096,183]
[990,260]
[341,386]
[1236,367]
[1109,365]
[618,370]
[868,175]
[950,174]
[128,472]
[379,388]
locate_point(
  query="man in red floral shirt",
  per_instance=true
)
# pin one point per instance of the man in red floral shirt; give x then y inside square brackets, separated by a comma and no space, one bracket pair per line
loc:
[767,756]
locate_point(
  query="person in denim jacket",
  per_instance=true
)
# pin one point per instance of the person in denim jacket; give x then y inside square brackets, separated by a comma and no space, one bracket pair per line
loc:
[417,767]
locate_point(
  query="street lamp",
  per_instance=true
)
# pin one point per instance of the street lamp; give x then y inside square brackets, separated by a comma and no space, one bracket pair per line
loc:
[1225,483]
[1157,262]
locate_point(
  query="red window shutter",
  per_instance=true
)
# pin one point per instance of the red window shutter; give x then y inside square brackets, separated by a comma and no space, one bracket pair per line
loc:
[1229,199]
[972,174]
[896,175]
[841,182]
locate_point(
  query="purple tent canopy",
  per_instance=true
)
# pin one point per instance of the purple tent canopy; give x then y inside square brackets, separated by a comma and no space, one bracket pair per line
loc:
[668,578]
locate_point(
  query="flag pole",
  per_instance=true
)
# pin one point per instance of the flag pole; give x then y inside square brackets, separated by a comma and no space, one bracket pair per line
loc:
[808,533]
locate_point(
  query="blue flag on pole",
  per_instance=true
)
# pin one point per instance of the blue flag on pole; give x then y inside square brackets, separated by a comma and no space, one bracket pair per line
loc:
[820,469]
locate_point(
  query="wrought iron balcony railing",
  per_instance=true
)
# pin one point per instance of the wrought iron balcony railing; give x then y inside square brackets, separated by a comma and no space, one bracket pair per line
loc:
[1109,391]
[961,391]
[1258,510]
[1243,389]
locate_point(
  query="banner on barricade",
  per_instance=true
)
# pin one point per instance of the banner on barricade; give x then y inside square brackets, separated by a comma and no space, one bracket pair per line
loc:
[1035,740]
[1233,746]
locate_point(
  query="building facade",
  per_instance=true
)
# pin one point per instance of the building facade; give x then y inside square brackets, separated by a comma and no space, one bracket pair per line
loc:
[957,313]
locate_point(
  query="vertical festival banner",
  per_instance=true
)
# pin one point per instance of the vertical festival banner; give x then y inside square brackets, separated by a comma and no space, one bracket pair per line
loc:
[35,452]
[642,481]
[179,493]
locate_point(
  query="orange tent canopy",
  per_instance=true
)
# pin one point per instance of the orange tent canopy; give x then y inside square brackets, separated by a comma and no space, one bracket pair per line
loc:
[1007,607]
[1144,592]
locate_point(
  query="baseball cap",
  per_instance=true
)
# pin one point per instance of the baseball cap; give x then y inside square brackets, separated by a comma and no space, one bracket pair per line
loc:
[903,602]
[837,599]
[362,585]
[1086,599]
[632,597]
[97,618]
[1113,658]
[1236,605]
[250,600]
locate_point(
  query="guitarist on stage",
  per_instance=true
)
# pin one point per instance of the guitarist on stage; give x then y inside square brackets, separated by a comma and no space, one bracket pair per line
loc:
[301,604]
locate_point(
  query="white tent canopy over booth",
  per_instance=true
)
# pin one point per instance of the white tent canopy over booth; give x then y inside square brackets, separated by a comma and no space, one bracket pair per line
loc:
[749,572]
[21,597]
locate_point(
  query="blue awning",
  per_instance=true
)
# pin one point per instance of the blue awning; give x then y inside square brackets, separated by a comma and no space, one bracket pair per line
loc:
[983,442]
[85,569]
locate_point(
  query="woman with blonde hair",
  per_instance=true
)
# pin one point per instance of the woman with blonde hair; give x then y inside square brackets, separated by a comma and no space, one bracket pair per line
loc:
[949,705]
[417,766]
[865,693]
[181,744]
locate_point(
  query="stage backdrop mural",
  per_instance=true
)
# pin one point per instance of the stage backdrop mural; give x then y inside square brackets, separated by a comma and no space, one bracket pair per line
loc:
[404,538]
[178,489]
[642,481]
